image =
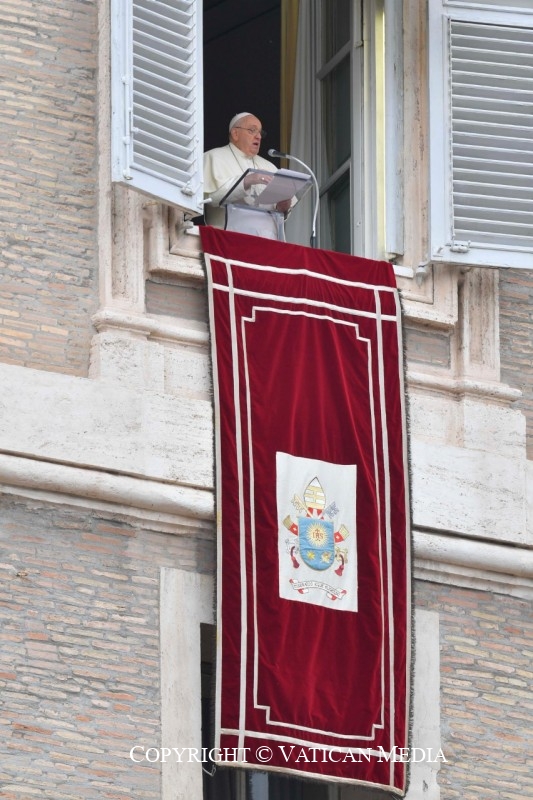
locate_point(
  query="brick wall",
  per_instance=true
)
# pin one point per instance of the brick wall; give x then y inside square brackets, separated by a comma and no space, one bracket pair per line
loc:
[79,662]
[79,650]
[516,337]
[47,191]
[175,300]
[486,695]
[427,348]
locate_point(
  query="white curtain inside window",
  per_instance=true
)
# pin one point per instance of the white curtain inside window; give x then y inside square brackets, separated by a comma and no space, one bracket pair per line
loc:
[299,224]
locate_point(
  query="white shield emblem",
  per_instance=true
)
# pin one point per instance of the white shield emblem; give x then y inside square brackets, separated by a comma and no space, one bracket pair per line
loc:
[317,545]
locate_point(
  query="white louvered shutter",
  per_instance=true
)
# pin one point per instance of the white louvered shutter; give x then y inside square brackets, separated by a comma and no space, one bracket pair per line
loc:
[481,142]
[157,99]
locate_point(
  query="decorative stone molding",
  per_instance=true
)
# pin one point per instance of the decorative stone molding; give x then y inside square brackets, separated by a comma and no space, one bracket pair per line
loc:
[127,273]
[183,238]
[170,249]
[111,319]
[462,387]
[176,504]
[177,508]
[473,564]
[109,426]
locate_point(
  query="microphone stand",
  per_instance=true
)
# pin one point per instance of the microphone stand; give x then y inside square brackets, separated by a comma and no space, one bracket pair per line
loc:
[277,154]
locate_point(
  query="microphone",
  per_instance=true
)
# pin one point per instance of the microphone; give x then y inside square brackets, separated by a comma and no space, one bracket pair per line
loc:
[276,154]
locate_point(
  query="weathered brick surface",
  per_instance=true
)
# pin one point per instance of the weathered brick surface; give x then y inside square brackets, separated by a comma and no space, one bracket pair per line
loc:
[516,338]
[79,662]
[425,347]
[79,650]
[48,187]
[174,300]
[486,692]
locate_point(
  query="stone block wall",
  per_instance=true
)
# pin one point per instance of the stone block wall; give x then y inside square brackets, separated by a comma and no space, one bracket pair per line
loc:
[48,261]
[80,650]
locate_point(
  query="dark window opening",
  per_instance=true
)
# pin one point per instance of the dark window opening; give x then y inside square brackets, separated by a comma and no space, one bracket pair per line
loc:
[242,57]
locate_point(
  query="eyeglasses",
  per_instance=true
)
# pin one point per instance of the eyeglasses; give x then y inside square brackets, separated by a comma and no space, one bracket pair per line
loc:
[253,131]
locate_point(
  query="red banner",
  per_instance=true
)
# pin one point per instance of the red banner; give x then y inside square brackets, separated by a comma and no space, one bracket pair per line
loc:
[312,510]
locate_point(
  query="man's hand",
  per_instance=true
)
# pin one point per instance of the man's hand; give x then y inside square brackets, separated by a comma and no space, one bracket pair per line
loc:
[253,180]
[283,206]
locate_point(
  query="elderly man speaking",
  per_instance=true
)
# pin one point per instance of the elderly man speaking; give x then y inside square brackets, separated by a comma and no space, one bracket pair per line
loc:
[223,167]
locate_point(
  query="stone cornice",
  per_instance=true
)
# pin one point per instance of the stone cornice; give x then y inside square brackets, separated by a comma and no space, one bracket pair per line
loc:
[472,563]
[127,495]
[438,557]
[149,327]
[491,390]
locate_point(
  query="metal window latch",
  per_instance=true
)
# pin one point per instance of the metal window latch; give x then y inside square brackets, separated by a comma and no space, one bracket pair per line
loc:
[460,247]
[421,272]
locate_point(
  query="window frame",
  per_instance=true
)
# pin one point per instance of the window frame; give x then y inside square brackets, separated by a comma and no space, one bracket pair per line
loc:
[326,67]
[443,247]
[376,190]
[376,118]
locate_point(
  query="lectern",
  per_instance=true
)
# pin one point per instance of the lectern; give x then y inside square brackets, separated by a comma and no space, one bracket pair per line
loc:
[252,202]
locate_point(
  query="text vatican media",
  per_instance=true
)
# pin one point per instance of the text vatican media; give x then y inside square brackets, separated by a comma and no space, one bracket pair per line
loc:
[290,753]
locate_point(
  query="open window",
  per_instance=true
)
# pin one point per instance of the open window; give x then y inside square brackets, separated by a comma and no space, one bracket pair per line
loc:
[329,56]
[347,122]
[481,132]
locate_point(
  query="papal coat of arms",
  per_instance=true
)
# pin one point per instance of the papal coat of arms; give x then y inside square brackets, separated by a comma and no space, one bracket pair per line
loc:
[317,550]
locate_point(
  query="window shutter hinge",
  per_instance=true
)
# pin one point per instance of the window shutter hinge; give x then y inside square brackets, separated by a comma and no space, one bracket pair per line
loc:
[128,111]
[188,190]
[459,247]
